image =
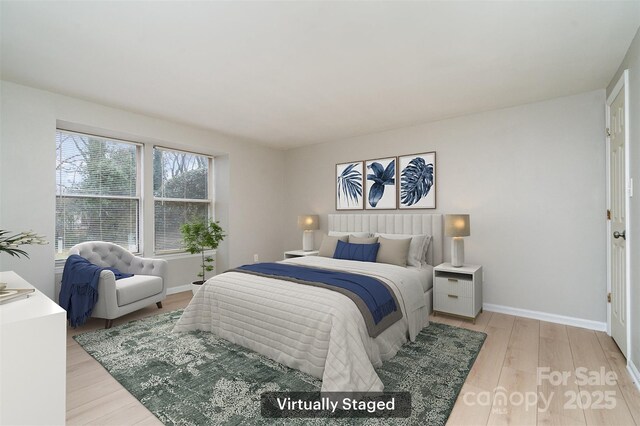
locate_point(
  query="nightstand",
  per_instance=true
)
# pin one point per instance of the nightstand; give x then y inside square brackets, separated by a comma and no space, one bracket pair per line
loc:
[457,291]
[299,253]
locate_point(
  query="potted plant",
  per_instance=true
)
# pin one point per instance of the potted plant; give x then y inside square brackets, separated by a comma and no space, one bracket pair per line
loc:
[9,244]
[198,237]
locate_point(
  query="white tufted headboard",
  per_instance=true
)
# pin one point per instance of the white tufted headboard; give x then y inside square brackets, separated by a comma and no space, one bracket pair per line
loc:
[430,224]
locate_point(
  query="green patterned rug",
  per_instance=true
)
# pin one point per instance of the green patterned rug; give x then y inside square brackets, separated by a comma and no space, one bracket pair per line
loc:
[199,379]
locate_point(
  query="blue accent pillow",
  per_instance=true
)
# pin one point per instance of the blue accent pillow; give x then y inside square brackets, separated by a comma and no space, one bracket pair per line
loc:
[360,252]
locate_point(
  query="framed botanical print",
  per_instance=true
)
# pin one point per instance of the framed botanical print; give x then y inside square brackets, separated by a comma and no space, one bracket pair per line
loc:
[349,186]
[417,188]
[380,184]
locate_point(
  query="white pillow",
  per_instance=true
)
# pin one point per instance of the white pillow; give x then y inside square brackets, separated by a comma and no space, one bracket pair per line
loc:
[417,248]
[426,249]
[355,234]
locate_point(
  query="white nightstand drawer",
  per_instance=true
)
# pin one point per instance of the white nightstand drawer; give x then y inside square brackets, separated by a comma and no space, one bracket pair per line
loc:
[457,291]
[457,286]
[453,304]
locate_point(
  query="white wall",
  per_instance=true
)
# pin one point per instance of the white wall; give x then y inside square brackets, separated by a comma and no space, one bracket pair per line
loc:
[531,177]
[632,63]
[249,178]
[27,173]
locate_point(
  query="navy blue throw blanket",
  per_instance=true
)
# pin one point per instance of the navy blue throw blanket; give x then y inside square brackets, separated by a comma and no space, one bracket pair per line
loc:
[380,308]
[79,289]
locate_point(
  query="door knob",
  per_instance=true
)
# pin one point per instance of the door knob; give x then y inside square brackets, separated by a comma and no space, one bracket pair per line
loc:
[617,234]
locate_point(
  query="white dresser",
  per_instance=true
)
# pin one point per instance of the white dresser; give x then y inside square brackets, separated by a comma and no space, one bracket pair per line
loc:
[457,291]
[33,350]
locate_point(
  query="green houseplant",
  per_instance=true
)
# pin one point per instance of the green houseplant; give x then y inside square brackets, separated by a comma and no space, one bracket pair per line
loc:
[198,237]
[9,243]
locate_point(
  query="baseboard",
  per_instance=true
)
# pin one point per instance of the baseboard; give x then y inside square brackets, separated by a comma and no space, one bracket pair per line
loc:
[635,374]
[179,289]
[544,316]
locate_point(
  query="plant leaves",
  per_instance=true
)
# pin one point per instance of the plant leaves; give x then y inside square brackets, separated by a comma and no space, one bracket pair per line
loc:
[375,194]
[199,236]
[416,181]
[375,179]
[380,177]
[349,184]
[389,174]
[377,169]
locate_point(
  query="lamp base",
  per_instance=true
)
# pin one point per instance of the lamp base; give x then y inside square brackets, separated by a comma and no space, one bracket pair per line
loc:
[457,252]
[307,241]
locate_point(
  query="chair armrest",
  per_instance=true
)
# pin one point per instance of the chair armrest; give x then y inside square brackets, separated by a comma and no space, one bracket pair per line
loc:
[107,304]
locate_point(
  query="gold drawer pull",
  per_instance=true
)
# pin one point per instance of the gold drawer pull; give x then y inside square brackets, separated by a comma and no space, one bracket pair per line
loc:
[453,296]
[452,280]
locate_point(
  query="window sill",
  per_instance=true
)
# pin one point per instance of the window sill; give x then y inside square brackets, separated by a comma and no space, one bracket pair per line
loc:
[182,255]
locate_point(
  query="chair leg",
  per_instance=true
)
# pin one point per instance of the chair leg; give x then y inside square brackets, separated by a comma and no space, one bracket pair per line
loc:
[159,305]
[108,323]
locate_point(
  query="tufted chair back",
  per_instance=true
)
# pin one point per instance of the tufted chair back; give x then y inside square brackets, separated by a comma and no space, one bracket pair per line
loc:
[106,254]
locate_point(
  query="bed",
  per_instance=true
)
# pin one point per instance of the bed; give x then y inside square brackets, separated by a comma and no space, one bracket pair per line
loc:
[315,330]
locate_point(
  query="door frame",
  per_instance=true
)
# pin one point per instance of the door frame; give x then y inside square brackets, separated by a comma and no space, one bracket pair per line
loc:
[622,84]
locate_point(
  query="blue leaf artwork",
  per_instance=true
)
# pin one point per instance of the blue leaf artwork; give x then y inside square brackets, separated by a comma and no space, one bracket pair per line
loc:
[383,174]
[349,186]
[417,181]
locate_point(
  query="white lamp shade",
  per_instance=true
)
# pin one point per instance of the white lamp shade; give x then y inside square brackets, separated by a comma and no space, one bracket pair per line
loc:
[457,225]
[309,222]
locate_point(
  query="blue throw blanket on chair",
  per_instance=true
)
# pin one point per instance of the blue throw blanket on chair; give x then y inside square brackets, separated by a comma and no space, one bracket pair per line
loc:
[79,289]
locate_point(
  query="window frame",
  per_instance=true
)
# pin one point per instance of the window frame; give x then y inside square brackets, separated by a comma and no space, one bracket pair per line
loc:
[210,200]
[139,193]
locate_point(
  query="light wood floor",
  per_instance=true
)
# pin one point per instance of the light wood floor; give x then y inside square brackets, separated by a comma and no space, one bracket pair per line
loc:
[508,362]
[506,366]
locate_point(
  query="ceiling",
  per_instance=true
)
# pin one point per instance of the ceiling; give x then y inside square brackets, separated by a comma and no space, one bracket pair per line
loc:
[288,74]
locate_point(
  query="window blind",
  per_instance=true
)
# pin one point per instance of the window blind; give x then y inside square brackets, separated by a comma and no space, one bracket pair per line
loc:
[97,191]
[181,187]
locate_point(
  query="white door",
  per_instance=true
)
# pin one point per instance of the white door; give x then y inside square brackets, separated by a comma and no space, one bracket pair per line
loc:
[618,214]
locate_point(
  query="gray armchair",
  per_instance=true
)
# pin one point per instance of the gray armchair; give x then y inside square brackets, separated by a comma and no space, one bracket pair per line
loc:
[116,298]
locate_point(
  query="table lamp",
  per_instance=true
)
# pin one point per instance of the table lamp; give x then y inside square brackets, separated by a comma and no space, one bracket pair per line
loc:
[457,226]
[308,223]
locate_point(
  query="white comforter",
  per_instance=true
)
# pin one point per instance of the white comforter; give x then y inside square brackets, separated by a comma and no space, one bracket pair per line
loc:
[315,330]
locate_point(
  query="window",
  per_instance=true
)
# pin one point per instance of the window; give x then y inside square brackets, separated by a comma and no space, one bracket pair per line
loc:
[97,191]
[182,193]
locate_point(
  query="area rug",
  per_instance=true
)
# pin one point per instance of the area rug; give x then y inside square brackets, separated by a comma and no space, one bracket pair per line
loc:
[198,379]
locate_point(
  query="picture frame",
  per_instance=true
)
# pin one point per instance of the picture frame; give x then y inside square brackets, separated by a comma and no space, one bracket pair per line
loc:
[381,179]
[349,185]
[417,184]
